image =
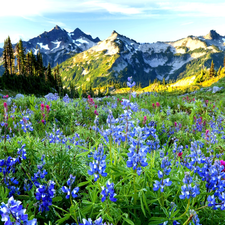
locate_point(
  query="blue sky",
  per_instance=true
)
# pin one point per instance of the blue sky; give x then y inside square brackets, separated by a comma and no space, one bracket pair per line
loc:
[141,20]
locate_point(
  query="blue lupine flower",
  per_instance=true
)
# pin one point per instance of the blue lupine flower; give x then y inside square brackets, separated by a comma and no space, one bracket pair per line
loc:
[161,184]
[108,191]
[194,217]
[96,222]
[44,194]
[165,165]
[13,213]
[129,82]
[68,190]
[98,166]
[187,190]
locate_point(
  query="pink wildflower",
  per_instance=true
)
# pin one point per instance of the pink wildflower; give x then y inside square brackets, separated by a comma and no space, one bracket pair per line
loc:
[42,107]
[206,134]
[48,108]
[95,112]
[175,124]
[157,104]
[5,105]
[153,105]
[223,164]
[145,119]
[180,154]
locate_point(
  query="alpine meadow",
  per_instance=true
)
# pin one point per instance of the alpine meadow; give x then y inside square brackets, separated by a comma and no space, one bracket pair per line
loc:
[102,129]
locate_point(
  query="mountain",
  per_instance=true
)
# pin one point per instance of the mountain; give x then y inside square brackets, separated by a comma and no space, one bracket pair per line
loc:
[57,45]
[118,57]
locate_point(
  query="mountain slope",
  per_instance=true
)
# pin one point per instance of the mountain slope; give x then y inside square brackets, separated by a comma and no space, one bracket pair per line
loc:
[118,57]
[57,45]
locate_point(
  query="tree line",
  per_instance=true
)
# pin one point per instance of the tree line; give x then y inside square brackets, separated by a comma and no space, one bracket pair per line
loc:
[26,73]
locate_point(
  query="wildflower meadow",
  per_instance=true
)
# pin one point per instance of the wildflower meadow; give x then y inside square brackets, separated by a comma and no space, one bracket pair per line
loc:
[132,159]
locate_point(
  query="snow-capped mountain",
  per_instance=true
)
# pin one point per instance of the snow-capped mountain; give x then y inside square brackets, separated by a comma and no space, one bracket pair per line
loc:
[118,57]
[57,45]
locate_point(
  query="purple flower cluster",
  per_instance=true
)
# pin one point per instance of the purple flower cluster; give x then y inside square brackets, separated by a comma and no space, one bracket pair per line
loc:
[13,213]
[44,194]
[90,222]
[130,84]
[187,190]
[137,155]
[165,165]
[108,191]
[68,190]
[98,166]
[8,168]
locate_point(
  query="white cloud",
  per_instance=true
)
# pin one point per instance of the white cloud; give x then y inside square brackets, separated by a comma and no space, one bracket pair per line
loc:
[115,8]
[187,23]
[28,8]
[15,37]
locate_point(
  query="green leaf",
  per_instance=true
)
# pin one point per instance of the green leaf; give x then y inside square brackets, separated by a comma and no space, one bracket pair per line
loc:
[57,199]
[128,221]
[62,220]
[82,154]
[83,183]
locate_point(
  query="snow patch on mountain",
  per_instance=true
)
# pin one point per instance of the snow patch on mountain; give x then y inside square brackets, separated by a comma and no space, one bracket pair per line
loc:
[159,77]
[85,71]
[43,46]
[197,55]
[147,70]
[155,62]
[57,43]
[190,43]
[177,64]
[180,50]
[120,67]
[81,41]
[35,51]
[157,47]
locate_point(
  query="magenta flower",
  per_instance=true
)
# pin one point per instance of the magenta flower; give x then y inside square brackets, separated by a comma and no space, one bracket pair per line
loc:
[157,104]
[145,119]
[48,108]
[222,163]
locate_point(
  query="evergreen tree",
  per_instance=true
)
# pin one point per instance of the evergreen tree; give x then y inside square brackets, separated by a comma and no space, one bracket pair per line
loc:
[164,81]
[224,62]
[40,67]
[50,77]
[20,57]
[219,71]
[28,65]
[211,71]
[72,90]
[5,58]
[10,55]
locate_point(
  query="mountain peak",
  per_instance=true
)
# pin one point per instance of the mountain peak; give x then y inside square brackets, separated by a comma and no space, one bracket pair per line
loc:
[77,33]
[212,35]
[114,32]
[57,27]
